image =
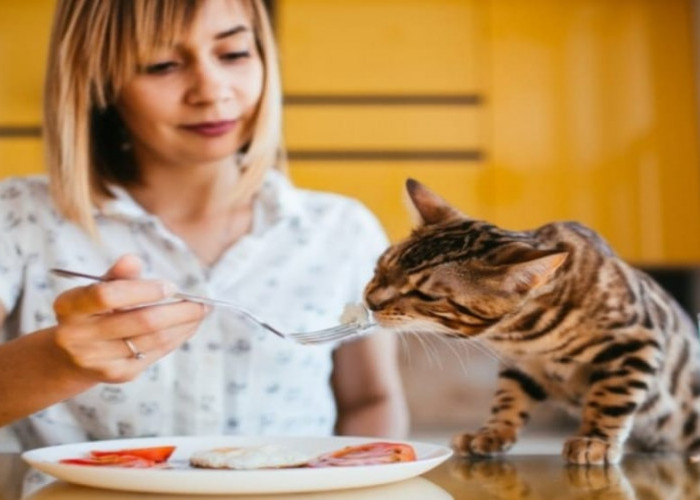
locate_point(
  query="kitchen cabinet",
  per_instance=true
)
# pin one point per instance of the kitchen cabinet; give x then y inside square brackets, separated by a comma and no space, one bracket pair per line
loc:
[520,112]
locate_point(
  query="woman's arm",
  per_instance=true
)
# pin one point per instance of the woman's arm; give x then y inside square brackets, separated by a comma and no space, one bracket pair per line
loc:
[87,344]
[34,374]
[368,388]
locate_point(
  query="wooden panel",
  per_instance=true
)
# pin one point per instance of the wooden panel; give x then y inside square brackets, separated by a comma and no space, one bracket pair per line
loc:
[20,156]
[380,46]
[377,127]
[380,186]
[593,119]
[24,35]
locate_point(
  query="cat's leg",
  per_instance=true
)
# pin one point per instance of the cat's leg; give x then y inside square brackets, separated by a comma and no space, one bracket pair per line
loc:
[509,413]
[615,394]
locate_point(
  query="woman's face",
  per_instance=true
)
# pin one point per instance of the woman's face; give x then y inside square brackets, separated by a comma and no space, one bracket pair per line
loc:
[195,102]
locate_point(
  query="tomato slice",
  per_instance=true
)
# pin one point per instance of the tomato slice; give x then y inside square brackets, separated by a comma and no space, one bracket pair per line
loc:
[366,454]
[111,460]
[156,454]
[129,457]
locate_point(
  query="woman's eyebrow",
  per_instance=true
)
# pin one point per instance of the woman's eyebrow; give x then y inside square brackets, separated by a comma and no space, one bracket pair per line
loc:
[231,32]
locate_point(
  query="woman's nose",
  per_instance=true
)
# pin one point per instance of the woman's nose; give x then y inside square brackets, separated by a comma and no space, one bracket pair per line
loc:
[209,84]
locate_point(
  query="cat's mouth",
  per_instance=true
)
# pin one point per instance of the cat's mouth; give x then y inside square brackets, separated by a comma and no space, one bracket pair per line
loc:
[407,324]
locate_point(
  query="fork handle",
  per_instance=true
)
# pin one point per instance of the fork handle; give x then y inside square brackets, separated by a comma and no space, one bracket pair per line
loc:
[178,295]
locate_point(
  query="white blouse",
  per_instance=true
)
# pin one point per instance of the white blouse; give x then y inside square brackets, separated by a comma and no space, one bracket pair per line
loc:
[308,254]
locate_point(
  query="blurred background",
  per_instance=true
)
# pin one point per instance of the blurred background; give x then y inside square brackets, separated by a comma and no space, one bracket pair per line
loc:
[518,111]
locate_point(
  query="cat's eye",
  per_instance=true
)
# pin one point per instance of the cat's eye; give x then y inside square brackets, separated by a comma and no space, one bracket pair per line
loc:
[423,296]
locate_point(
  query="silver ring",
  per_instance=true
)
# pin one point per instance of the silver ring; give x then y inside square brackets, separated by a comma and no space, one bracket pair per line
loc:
[135,353]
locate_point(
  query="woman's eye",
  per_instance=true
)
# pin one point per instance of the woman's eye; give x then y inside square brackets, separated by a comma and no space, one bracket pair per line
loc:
[160,68]
[234,56]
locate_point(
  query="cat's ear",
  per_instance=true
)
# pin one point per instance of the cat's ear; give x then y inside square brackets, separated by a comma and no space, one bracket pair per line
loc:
[431,208]
[529,269]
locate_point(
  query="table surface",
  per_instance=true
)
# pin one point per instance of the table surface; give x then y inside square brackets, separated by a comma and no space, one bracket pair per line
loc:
[532,477]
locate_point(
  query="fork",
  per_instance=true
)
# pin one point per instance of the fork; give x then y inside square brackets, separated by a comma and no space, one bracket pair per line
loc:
[333,334]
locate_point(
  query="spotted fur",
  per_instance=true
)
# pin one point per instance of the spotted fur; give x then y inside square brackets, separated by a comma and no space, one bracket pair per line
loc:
[573,323]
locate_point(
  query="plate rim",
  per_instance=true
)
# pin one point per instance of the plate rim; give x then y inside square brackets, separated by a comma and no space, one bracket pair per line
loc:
[195,480]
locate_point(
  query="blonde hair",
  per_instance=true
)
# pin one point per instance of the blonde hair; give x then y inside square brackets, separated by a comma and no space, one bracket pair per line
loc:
[97,45]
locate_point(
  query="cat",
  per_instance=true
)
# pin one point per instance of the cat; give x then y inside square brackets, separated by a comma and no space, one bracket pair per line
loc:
[573,323]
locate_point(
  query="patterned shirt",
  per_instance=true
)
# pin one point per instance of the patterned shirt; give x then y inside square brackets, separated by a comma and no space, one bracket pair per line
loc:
[308,254]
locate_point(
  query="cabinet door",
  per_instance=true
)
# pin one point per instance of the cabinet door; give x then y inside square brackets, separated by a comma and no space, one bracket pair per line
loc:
[380,90]
[582,110]
[24,34]
[594,118]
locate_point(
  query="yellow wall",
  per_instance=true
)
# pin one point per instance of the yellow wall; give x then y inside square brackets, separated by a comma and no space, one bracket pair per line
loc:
[584,109]
[421,51]
[594,118]
[24,33]
[589,110]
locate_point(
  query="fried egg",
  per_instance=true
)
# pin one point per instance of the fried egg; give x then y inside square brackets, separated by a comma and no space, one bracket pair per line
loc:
[249,457]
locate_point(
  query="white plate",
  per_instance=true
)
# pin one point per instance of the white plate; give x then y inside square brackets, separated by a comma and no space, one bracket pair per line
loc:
[204,481]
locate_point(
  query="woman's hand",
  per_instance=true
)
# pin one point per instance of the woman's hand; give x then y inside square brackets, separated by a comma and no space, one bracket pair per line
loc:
[96,321]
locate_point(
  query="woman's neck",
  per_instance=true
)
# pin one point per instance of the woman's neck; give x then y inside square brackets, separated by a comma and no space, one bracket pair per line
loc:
[188,194]
[196,204]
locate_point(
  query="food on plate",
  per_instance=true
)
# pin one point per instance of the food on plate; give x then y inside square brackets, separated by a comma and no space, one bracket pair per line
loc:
[355,313]
[271,457]
[249,457]
[252,457]
[128,457]
[366,454]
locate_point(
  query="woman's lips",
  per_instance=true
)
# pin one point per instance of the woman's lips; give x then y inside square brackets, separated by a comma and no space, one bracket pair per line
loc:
[211,129]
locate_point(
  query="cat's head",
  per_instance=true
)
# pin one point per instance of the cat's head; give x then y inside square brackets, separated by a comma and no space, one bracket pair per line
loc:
[455,274]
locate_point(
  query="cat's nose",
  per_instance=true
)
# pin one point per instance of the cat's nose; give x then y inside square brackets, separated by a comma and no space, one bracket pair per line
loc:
[378,298]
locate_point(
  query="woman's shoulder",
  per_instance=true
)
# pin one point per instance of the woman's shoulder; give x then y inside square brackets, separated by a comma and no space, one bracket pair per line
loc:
[330,204]
[26,189]
[319,201]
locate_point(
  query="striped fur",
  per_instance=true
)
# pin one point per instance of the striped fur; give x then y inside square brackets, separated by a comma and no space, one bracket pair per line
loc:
[573,323]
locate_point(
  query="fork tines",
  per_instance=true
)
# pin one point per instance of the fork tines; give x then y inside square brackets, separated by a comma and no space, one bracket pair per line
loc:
[330,334]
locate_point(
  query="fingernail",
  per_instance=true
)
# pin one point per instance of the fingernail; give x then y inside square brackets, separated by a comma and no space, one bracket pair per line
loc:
[169,288]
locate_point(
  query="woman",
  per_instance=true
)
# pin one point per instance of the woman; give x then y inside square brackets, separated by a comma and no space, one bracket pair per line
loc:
[162,129]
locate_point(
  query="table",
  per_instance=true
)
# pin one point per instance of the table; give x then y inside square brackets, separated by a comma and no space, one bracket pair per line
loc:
[526,477]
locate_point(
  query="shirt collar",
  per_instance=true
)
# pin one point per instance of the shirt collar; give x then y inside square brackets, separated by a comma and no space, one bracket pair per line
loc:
[278,199]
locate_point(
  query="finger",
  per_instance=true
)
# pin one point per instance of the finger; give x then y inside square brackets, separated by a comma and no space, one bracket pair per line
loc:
[127,266]
[111,360]
[114,362]
[148,319]
[105,297]
[155,345]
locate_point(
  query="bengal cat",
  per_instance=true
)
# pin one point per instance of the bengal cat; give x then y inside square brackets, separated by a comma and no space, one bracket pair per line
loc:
[572,322]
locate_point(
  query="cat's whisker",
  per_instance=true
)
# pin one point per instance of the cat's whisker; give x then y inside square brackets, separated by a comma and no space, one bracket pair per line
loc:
[486,349]
[453,347]
[406,349]
[431,354]
[430,339]
[424,346]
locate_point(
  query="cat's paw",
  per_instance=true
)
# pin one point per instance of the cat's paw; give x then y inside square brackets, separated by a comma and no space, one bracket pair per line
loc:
[485,443]
[591,451]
